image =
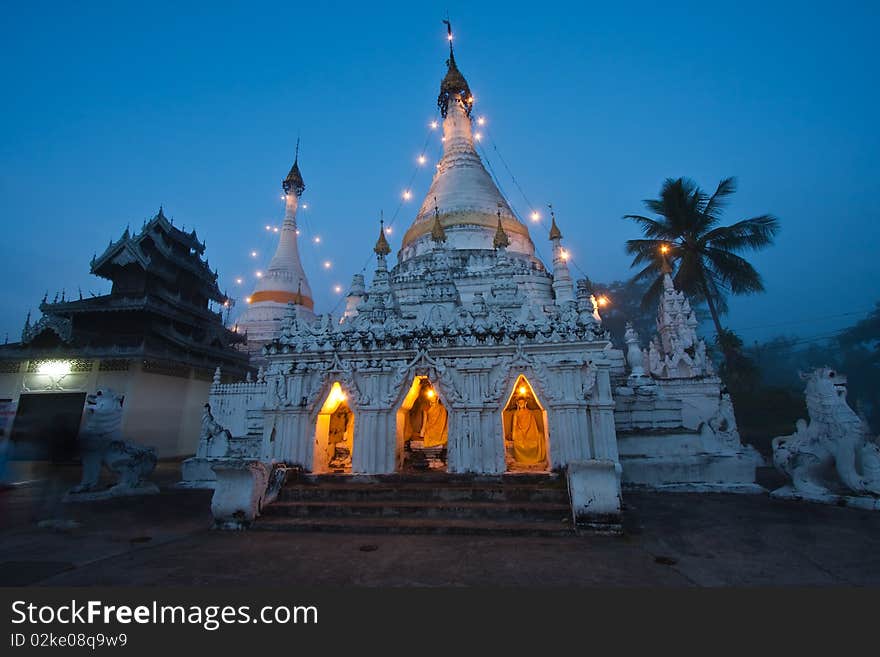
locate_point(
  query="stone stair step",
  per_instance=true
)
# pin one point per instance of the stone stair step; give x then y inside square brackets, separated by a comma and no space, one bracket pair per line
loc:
[421,508]
[364,492]
[380,525]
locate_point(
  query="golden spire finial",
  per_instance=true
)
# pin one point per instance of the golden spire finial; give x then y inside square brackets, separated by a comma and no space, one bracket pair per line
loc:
[555,233]
[501,241]
[437,232]
[382,248]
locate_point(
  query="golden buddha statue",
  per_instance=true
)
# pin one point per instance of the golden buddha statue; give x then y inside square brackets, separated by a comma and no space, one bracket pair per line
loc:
[527,437]
[339,425]
[433,431]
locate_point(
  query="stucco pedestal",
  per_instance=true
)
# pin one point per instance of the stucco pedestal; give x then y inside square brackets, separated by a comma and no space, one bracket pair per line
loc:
[594,492]
[239,492]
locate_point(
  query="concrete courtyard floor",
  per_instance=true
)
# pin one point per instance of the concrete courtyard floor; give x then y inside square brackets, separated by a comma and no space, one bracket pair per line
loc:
[670,540]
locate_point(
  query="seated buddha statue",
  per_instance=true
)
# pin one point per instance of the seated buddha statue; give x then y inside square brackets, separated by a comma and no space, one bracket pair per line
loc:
[433,431]
[528,439]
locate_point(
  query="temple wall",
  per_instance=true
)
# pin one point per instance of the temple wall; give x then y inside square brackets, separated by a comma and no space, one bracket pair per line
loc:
[160,410]
[699,398]
[574,394]
[375,442]
[230,403]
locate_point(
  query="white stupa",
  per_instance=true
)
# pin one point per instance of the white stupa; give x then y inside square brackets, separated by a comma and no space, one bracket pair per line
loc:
[470,357]
[284,282]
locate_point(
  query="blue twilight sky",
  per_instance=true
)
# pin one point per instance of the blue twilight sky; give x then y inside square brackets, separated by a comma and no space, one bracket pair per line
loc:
[110,109]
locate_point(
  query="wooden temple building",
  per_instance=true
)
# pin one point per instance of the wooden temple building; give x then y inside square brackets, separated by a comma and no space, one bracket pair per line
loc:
[157,338]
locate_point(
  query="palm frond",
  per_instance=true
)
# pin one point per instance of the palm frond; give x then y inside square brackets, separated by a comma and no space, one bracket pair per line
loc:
[754,233]
[718,200]
[644,250]
[733,271]
[650,227]
[652,294]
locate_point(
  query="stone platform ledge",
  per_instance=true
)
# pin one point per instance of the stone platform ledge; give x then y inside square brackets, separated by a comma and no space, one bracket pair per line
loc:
[437,477]
[194,485]
[866,502]
[692,487]
[147,488]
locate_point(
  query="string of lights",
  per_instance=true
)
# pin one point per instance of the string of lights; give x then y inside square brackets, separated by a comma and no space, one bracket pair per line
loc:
[481,134]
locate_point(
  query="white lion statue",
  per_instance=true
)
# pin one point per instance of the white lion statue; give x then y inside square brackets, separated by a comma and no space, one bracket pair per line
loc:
[834,452]
[100,443]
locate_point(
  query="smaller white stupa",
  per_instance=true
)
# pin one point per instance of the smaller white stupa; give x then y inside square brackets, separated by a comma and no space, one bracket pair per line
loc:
[285,280]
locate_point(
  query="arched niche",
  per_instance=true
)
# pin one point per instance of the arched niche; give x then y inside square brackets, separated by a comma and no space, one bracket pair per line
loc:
[334,433]
[526,435]
[422,427]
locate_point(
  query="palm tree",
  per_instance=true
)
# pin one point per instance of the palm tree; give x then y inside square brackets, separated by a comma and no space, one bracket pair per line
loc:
[704,254]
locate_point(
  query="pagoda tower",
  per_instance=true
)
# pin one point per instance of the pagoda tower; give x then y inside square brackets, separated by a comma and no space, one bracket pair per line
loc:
[469,207]
[284,282]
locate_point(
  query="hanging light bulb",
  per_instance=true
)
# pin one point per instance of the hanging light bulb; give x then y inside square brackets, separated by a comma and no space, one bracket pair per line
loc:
[407,195]
[387,230]
[268,227]
[317,240]
[481,120]
[434,125]
[536,216]
[337,289]
[478,136]
[275,229]
[327,264]
[247,299]
[253,254]
[238,281]
[259,274]
[305,206]
[422,159]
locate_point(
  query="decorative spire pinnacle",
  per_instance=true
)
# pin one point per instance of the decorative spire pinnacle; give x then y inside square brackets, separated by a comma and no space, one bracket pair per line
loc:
[437,232]
[294,180]
[501,241]
[161,214]
[453,86]
[382,248]
[448,32]
[555,233]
